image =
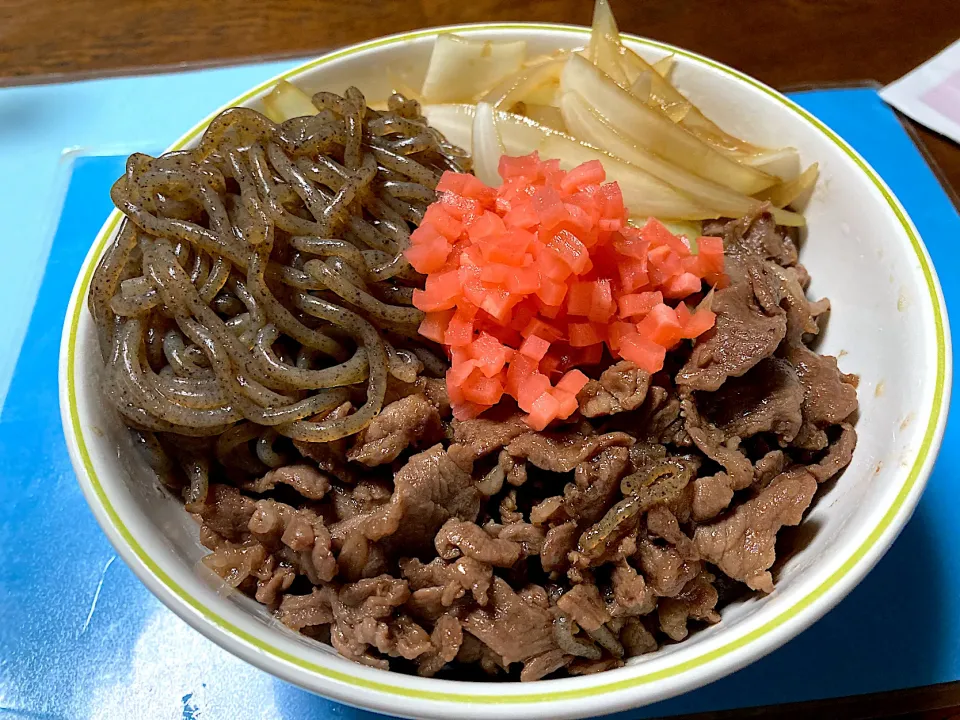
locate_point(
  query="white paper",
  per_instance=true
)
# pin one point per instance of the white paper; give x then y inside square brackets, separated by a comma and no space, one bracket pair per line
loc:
[930,94]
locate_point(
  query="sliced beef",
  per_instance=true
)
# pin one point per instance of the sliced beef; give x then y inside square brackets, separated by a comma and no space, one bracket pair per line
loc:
[663,524]
[457,537]
[665,568]
[766,399]
[621,387]
[542,665]
[270,590]
[595,484]
[306,480]
[562,452]
[631,593]
[435,390]
[697,601]
[514,629]
[299,535]
[750,325]
[768,467]
[755,234]
[838,455]
[409,422]
[445,642]
[226,511]
[429,490]
[300,611]
[636,638]
[530,537]
[480,437]
[743,544]
[560,541]
[456,578]
[363,622]
[330,457]
[829,397]
[583,604]
[711,495]
[718,446]
[801,313]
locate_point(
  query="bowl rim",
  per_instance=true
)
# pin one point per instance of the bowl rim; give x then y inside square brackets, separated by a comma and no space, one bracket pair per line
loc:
[740,650]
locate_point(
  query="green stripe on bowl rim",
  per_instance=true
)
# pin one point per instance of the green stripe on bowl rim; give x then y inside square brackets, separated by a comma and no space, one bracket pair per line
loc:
[534,696]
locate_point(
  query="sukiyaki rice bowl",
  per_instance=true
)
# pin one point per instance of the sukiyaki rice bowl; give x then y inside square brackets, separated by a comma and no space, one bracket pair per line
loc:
[602,421]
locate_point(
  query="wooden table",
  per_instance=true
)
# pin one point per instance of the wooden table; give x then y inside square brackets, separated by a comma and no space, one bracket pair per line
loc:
[787,43]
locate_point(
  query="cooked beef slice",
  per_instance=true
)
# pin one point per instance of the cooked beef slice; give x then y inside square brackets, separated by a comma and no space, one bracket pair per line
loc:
[829,397]
[409,422]
[768,467]
[595,483]
[743,544]
[665,568]
[755,234]
[560,541]
[457,537]
[511,627]
[711,495]
[236,564]
[749,326]
[631,593]
[480,437]
[429,490]
[718,446]
[454,578]
[583,604]
[765,399]
[621,387]
[838,455]
[696,601]
[801,313]
[226,511]
[306,480]
[562,452]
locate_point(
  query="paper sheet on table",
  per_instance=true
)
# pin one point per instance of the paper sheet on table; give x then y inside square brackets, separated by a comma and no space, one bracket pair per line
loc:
[930,94]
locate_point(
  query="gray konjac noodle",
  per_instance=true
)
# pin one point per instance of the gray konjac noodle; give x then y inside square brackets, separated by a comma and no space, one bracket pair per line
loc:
[259,283]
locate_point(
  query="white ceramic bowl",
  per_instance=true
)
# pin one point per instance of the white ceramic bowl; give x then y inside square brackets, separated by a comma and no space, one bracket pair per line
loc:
[888,325]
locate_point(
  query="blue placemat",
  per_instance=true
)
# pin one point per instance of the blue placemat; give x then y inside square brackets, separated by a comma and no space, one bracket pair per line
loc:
[80,637]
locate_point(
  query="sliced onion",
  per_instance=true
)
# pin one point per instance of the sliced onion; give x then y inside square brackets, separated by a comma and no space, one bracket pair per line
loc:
[524,85]
[630,65]
[519,135]
[546,115]
[486,146]
[664,65]
[653,130]
[287,101]
[789,191]
[604,48]
[643,193]
[784,163]
[546,94]
[588,125]
[648,88]
[462,70]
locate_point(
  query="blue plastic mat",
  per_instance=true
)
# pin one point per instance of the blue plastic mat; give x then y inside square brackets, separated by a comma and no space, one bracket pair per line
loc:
[80,637]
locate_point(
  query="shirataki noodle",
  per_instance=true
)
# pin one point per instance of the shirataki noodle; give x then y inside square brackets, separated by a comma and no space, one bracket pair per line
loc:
[247,294]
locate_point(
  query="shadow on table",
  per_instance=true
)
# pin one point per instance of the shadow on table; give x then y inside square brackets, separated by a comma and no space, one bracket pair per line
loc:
[859,647]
